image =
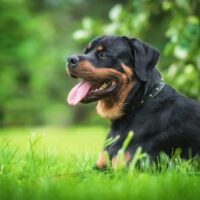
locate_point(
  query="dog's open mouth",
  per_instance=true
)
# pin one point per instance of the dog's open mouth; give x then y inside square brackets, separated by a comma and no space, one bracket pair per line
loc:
[88,91]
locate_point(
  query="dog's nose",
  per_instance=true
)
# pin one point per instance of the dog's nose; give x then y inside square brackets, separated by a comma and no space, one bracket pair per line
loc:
[73,61]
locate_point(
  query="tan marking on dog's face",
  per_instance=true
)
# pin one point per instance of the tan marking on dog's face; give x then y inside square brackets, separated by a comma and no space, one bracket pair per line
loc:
[100,48]
[87,71]
[111,107]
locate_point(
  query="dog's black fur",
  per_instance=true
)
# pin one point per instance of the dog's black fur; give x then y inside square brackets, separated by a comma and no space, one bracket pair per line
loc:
[165,122]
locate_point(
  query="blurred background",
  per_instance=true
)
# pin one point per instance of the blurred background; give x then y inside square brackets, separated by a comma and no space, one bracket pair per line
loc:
[38,35]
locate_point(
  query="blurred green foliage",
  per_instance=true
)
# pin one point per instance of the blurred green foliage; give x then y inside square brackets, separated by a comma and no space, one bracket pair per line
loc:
[36,37]
[35,41]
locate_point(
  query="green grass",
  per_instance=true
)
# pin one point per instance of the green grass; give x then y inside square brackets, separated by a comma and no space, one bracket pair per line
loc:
[56,163]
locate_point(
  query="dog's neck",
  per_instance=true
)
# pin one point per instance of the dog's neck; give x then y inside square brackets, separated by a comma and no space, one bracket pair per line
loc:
[144,92]
[131,96]
[135,97]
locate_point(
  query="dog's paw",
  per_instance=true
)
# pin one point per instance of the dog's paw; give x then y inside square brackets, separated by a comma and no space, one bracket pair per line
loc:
[101,162]
[121,160]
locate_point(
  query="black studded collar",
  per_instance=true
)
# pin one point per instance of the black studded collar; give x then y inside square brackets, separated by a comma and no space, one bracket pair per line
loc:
[150,95]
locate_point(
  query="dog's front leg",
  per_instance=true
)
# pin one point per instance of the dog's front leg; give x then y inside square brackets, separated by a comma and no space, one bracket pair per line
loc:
[121,161]
[101,161]
[116,159]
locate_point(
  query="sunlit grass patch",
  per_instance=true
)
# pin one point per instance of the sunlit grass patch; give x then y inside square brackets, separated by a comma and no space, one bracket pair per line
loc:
[38,171]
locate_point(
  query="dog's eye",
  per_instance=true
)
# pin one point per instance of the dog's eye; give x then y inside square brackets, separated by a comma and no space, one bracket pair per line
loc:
[103,54]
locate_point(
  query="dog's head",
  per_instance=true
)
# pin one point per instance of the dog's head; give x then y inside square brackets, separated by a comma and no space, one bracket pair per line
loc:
[109,69]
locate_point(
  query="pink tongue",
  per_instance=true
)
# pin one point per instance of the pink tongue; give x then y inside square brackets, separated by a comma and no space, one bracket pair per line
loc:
[78,92]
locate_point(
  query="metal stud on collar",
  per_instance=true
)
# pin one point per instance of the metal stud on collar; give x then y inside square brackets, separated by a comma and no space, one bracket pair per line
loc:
[153,94]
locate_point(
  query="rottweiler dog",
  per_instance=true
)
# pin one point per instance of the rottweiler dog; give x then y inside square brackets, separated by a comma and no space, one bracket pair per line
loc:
[119,73]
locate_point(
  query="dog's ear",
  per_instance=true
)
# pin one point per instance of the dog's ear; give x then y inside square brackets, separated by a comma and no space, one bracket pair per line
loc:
[144,56]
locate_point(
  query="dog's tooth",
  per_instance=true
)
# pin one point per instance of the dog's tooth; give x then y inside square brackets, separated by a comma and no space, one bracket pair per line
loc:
[104,85]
